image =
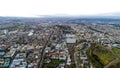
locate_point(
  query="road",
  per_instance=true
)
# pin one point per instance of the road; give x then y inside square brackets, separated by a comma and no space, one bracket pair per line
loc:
[76,60]
[43,51]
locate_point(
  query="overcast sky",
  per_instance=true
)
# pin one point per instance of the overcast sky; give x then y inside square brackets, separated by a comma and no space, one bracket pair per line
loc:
[30,8]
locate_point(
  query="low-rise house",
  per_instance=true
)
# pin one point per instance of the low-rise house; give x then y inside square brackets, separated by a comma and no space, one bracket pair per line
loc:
[58,46]
[12,32]
[47,49]
[11,54]
[20,56]
[47,60]
[55,55]
[61,66]
[19,63]
[33,59]
[2,62]
[7,62]
[3,47]
[68,60]
[2,53]
[62,55]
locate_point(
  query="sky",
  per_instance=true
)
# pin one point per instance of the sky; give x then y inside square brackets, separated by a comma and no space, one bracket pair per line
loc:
[31,8]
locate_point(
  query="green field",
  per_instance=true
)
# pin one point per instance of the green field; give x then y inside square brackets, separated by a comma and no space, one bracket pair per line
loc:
[18,27]
[54,63]
[116,51]
[100,57]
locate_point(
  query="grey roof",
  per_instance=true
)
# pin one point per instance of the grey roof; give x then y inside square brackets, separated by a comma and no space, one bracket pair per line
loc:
[71,40]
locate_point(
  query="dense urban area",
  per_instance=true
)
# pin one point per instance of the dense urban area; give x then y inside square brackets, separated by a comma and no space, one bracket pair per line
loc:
[59,42]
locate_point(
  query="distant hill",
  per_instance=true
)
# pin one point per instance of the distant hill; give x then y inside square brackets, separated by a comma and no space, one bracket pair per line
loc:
[107,17]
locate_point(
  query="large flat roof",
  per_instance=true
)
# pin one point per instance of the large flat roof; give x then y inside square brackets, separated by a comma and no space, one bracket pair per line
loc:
[70,35]
[71,40]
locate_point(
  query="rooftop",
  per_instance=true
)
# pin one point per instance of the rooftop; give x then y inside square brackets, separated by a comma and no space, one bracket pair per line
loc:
[71,40]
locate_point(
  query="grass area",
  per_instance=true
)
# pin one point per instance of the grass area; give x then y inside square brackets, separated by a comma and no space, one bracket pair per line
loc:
[1,31]
[100,56]
[94,59]
[21,26]
[116,51]
[114,64]
[72,66]
[18,27]
[54,63]
[105,57]
[76,49]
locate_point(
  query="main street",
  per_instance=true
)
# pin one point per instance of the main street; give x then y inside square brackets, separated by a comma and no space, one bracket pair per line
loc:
[76,58]
[43,51]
